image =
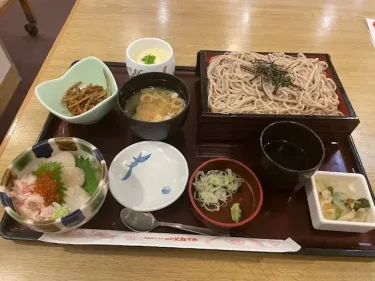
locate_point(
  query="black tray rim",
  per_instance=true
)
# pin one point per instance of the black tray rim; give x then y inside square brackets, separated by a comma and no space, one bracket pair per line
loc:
[202,71]
[303,251]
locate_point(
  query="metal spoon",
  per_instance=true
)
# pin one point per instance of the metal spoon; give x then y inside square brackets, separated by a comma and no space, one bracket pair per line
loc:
[143,222]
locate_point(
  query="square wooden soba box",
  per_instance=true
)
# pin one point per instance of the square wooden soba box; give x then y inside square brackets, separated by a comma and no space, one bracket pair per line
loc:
[214,127]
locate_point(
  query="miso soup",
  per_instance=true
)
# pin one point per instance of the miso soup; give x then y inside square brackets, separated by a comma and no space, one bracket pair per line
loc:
[154,104]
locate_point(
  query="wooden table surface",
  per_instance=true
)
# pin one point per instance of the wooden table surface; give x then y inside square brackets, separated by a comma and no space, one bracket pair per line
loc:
[103,28]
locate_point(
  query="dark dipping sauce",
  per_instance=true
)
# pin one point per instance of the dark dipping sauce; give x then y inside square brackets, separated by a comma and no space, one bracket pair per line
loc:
[287,154]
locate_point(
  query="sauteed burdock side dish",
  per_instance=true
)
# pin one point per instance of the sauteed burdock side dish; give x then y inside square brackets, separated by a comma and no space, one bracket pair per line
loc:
[79,100]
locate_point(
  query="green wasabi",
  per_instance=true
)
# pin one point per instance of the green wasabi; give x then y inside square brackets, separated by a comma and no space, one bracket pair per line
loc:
[60,212]
[235,212]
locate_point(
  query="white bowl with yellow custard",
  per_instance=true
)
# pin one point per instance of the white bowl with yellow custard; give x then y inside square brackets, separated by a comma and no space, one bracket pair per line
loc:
[150,55]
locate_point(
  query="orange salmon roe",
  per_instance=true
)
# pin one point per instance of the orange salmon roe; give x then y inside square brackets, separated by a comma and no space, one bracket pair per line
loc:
[46,186]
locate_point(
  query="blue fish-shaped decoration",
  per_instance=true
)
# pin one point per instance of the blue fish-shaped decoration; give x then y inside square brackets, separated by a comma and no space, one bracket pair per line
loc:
[139,159]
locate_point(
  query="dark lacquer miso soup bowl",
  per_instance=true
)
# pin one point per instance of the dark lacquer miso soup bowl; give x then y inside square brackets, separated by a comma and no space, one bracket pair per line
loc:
[155,104]
[240,203]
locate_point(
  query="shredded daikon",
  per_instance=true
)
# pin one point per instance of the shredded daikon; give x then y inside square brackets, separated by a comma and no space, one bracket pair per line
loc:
[215,188]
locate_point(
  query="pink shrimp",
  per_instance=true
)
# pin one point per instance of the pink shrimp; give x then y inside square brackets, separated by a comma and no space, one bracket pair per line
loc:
[25,185]
[46,213]
[31,207]
[34,202]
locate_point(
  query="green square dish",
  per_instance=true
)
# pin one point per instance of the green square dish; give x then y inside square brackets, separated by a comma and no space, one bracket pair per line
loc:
[88,70]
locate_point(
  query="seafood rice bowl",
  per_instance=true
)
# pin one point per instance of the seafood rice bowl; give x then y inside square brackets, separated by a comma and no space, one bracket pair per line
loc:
[56,185]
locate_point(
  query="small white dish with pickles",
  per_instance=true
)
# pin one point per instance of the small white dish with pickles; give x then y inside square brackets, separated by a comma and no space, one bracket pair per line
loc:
[340,202]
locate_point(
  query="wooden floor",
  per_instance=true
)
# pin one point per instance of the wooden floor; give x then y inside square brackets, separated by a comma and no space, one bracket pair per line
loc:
[27,52]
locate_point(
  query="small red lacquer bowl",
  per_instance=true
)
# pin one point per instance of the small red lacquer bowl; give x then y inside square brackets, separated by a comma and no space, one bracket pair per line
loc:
[249,195]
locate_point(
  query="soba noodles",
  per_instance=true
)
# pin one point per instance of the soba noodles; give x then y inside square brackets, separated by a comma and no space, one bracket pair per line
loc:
[235,87]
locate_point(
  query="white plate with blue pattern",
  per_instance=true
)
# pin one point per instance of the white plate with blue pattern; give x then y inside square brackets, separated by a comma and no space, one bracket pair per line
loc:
[148,176]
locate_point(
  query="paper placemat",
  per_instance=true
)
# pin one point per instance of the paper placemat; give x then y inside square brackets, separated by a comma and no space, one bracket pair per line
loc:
[371,27]
[146,239]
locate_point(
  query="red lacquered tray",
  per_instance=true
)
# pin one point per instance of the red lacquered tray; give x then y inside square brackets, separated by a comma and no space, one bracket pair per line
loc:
[282,215]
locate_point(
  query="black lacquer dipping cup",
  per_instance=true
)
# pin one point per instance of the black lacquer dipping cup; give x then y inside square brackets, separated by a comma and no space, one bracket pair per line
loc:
[154,130]
[291,153]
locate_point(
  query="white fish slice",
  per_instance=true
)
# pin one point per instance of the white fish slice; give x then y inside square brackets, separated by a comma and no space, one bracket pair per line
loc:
[76,197]
[72,176]
[65,158]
